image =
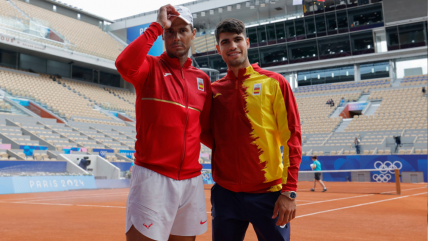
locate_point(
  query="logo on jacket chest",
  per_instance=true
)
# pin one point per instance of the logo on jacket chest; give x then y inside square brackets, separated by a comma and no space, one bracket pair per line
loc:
[257,89]
[201,85]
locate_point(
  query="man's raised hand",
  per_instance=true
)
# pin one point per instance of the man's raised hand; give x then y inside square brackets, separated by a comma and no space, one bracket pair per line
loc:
[166,15]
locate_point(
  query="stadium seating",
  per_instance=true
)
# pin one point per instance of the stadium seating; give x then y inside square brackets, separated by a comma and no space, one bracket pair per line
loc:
[414,80]
[203,44]
[9,16]
[127,96]
[47,92]
[314,112]
[400,108]
[85,37]
[100,96]
[363,85]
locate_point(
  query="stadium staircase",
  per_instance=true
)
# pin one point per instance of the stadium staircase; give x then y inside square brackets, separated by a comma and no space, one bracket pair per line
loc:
[343,125]
[373,106]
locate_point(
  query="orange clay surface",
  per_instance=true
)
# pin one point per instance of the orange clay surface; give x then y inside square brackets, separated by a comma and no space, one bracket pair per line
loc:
[100,215]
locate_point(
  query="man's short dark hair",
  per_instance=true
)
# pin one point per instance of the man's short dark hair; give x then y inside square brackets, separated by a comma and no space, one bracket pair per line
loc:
[314,157]
[230,25]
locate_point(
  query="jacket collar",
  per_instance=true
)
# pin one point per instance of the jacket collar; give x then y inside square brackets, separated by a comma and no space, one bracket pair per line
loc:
[174,62]
[243,72]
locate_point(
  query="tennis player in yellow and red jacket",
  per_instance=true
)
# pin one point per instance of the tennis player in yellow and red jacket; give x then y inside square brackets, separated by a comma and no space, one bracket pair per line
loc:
[253,114]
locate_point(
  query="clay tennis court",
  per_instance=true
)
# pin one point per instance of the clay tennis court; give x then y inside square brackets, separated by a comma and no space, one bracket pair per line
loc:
[100,215]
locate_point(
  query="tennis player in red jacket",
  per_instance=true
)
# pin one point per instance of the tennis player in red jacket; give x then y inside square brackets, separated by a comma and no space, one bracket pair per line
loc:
[253,114]
[166,200]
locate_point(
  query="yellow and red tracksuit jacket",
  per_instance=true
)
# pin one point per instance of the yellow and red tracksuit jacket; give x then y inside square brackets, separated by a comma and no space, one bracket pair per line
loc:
[172,107]
[252,116]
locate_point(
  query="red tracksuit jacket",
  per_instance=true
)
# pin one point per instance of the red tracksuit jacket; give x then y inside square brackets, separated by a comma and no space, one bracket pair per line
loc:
[172,107]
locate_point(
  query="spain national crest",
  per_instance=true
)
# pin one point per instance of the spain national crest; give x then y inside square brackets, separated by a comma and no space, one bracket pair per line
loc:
[257,89]
[200,84]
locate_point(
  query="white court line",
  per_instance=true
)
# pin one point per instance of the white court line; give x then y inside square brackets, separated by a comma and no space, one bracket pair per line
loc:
[315,202]
[62,197]
[331,210]
[100,206]
[336,199]
[407,189]
[359,205]
[66,204]
[95,194]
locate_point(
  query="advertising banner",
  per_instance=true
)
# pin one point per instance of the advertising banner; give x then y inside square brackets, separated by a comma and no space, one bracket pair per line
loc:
[134,32]
[5,146]
[31,184]
[28,150]
[71,150]
[357,106]
[33,166]
[381,162]
[129,154]
[21,101]
[103,152]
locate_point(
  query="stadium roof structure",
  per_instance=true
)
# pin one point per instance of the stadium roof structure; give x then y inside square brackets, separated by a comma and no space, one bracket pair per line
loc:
[78,10]
[207,13]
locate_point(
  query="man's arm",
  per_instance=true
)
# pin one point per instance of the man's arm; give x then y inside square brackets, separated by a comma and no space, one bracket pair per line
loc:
[206,136]
[288,120]
[132,63]
[285,108]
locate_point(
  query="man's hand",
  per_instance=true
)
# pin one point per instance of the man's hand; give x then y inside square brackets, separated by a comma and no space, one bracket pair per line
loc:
[166,15]
[285,209]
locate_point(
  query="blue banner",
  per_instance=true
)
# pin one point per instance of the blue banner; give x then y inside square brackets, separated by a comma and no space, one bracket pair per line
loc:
[21,102]
[411,163]
[134,32]
[74,149]
[31,184]
[123,166]
[103,152]
[33,166]
[207,176]
[357,106]
[28,150]
[129,154]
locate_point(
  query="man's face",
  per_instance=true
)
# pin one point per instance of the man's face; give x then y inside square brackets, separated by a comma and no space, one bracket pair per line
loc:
[313,159]
[178,38]
[233,48]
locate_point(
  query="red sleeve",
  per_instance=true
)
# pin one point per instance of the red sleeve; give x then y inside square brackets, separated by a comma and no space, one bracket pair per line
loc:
[206,135]
[294,142]
[133,63]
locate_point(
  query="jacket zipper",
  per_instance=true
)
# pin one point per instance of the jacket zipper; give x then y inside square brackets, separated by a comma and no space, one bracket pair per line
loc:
[185,125]
[236,129]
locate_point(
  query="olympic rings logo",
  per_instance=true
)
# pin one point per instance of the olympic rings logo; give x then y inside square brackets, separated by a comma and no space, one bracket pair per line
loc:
[386,168]
[382,177]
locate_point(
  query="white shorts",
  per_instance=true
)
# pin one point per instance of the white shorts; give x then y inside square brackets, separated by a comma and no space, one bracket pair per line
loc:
[159,206]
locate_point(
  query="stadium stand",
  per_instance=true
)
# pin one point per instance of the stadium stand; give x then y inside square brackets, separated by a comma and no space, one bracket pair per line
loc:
[363,85]
[9,13]
[43,90]
[101,96]
[400,108]
[127,96]
[414,80]
[315,113]
[203,44]
[78,33]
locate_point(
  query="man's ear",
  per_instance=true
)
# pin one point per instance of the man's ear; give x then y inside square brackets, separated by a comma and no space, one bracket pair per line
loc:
[194,33]
[218,49]
[163,38]
[248,42]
